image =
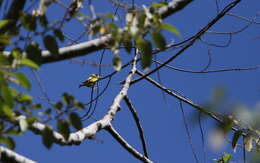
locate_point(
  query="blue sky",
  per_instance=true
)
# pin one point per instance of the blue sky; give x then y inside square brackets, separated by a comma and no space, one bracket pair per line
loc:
[162,121]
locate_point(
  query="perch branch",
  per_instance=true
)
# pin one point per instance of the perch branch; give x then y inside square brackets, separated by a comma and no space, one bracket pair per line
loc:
[90,131]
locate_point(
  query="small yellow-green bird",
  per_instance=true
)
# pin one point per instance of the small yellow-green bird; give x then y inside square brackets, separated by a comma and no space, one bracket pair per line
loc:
[91,81]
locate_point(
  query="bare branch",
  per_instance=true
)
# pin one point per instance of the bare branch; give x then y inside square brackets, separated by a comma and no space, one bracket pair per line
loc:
[210,71]
[7,155]
[244,18]
[127,146]
[215,116]
[196,37]
[218,45]
[138,124]
[188,133]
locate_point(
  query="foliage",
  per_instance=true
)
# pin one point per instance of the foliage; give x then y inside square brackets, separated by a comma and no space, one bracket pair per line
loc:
[26,36]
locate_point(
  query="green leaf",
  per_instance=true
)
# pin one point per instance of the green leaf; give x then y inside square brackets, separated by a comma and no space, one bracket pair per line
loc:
[75,120]
[29,63]
[63,128]
[16,53]
[31,120]
[170,28]
[158,39]
[47,111]
[145,48]
[236,136]
[25,98]
[8,141]
[81,17]
[128,44]
[4,60]
[50,44]
[23,124]
[114,30]
[58,105]
[5,40]
[43,21]
[29,21]
[79,105]
[4,23]
[58,33]
[37,106]
[157,5]
[226,157]
[141,20]
[13,131]
[68,99]
[33,52]
[47,137]
[2,127]
[117,63]
[8,112]
[23,81]
[8,99]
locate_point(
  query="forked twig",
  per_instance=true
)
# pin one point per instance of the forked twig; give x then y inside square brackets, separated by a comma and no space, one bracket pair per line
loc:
[138,124]
[126,145]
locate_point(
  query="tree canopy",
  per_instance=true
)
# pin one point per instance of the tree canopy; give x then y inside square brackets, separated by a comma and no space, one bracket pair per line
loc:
[149,74]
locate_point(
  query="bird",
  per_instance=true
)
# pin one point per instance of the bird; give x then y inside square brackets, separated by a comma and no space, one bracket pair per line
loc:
[90,81]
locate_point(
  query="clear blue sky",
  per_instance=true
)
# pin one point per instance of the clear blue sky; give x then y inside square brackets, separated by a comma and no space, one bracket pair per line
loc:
[162,121]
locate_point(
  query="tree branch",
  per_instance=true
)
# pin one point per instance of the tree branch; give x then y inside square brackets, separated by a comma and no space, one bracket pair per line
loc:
[7,155]
[210,71]
[86,133]
[91,130]
[138,124]
[88,47]
[127,146]
[218,117]
[196,37]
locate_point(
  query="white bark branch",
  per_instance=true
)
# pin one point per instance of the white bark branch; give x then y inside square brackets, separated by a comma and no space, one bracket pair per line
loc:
[79,136]
[7,155]
[90,131]
[88,47]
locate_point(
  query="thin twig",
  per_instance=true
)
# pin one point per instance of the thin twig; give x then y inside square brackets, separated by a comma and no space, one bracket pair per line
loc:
[218,45]
[210,71]
[43,90]
[209,61]
[244,18]
[126,145]
[202,138]
[244,151]
[188,133]
[138,124]
[196,37]
[213,115]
